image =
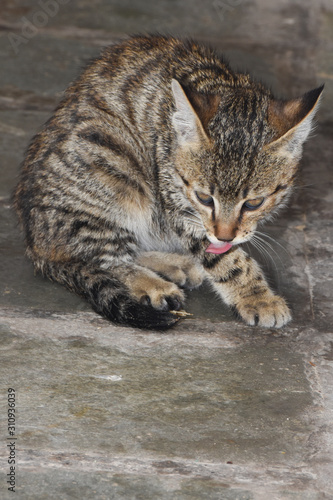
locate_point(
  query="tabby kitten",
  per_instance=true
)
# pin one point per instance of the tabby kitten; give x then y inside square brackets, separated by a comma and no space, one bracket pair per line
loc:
[154,169]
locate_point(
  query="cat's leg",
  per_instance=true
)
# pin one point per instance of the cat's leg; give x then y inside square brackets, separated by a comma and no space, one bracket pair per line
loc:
[124,293]
[239,281]
[180,269]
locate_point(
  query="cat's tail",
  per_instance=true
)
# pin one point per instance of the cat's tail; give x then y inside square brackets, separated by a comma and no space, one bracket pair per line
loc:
[108,296]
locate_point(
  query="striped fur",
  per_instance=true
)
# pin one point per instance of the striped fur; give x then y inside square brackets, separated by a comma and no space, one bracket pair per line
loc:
[109,193]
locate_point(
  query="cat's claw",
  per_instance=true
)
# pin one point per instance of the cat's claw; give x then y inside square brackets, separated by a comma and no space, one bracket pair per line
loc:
[174,303]
[271,312]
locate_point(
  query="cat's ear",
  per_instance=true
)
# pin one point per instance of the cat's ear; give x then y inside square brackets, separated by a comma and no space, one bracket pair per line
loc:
[292,121]
[185,121]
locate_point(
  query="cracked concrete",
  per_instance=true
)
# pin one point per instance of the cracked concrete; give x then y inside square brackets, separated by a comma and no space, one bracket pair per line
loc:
[212,409]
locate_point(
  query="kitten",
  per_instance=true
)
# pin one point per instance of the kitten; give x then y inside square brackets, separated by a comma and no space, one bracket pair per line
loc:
[154,169]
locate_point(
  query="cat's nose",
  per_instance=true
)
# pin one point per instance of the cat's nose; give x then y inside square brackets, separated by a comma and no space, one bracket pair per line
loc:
[225,232]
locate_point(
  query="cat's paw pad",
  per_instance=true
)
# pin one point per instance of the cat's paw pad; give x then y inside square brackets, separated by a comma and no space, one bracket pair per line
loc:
[269,312]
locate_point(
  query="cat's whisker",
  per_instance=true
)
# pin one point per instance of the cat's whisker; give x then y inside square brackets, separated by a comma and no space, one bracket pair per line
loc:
[258,239]
[266,244]
[193,215]
[194,219]
[265,235]
[281,240]
[261,249]
[256,243]
[195,222]
[307,186]
[265,254]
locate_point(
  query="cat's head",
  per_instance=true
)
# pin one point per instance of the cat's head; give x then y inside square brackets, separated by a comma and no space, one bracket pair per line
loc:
[237,154]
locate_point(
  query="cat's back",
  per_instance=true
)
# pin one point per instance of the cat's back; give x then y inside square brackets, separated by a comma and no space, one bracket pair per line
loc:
[132,79]
[155,59]
[122,101]
[104,136]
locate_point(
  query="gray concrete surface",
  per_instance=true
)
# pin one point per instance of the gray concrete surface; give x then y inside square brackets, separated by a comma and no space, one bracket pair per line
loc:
[212,409]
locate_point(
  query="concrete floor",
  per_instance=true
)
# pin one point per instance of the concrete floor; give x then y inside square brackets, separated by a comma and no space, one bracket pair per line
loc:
[212,409]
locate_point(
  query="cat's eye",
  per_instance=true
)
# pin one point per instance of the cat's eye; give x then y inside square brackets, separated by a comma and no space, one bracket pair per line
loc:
[253,204]
[205,199]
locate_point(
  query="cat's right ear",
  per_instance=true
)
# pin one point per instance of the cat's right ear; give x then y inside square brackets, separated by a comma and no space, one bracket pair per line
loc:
[292,121]
[185,121]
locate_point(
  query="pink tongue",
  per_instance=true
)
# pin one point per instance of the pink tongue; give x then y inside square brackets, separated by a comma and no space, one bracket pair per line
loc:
[218,248]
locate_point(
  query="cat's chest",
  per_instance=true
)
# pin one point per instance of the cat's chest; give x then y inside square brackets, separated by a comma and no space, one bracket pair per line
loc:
[160,241]
[152,231]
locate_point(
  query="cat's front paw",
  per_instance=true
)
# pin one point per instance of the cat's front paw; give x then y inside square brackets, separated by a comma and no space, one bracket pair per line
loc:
[269,312]
[180,269]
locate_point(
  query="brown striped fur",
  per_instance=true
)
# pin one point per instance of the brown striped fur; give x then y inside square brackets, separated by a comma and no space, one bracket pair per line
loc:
[109,194]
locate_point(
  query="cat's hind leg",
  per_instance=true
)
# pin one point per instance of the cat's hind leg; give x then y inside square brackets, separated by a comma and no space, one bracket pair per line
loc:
[125,293]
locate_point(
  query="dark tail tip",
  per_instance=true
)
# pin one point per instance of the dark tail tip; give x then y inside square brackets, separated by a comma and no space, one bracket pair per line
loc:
[146,317]
[126,311]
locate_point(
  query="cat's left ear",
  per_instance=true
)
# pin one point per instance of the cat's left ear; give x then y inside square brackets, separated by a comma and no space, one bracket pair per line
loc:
[185,121]
[292,121]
